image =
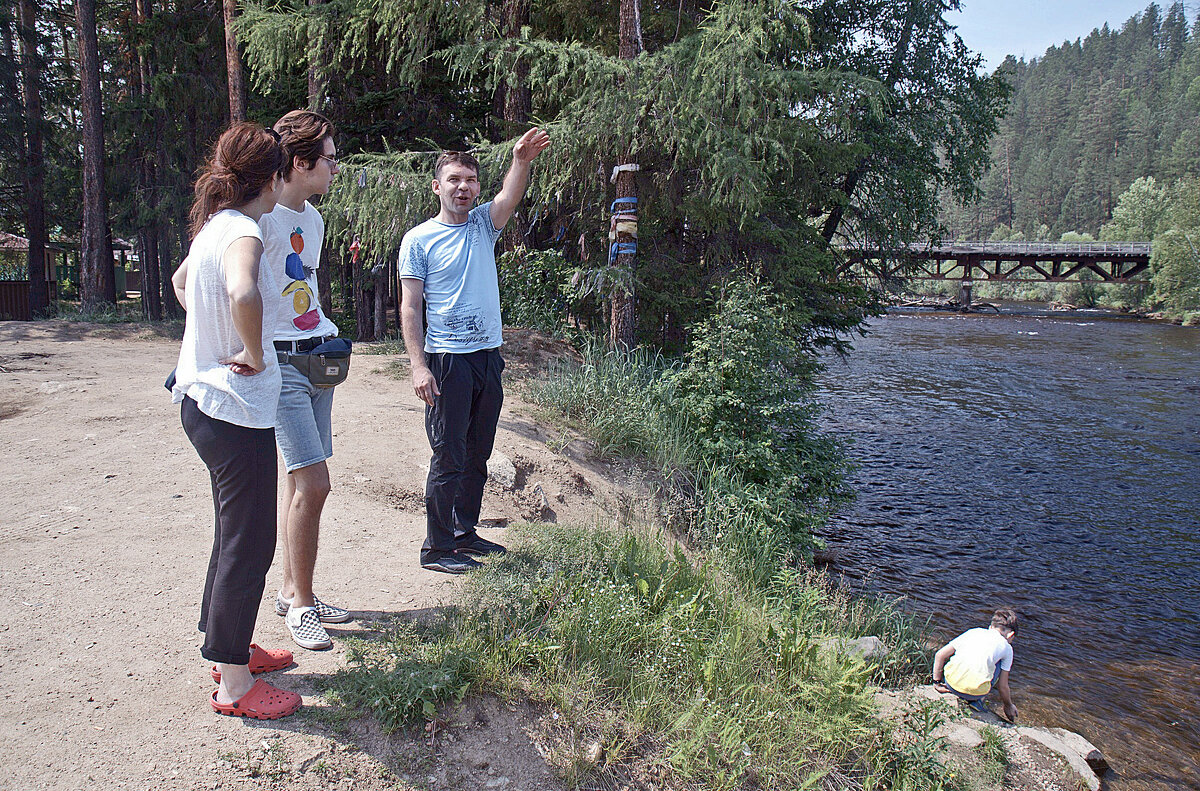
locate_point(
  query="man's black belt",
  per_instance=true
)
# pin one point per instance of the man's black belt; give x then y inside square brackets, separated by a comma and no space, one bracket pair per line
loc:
[301,346]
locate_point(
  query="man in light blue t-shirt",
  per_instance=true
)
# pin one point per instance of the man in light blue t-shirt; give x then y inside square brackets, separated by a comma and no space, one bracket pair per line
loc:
[449,264]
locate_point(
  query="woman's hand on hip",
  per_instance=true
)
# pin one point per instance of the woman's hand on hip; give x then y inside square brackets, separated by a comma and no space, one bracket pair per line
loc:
[246,363]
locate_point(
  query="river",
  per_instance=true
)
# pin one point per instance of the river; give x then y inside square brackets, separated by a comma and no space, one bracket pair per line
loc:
[1051,464]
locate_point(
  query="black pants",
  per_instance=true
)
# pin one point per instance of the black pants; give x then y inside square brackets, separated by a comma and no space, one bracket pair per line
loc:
[241,464]
[461,426]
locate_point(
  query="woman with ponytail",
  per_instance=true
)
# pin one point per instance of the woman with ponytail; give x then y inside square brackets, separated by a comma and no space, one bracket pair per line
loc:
[228,384]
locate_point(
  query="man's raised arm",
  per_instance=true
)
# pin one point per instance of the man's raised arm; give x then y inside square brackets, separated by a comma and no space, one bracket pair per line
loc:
[525,151]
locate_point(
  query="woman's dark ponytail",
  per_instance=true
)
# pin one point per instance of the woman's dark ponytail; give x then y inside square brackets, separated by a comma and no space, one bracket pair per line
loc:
[243,162]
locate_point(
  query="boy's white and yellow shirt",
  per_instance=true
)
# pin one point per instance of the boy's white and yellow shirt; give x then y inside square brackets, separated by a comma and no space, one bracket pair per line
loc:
[977,654]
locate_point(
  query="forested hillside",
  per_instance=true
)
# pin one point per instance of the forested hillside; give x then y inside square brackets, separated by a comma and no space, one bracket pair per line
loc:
[1085,121]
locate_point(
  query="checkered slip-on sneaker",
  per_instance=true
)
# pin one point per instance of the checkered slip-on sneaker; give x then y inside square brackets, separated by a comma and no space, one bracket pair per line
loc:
[306,628]
[328,613]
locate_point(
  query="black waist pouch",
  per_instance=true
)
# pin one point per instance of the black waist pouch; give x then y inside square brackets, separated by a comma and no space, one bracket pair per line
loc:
[326,365]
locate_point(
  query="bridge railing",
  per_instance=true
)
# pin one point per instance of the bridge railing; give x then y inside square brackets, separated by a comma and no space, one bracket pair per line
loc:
[955,248]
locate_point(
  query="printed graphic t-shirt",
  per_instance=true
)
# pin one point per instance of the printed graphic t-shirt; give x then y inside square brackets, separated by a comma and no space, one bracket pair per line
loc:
[462,294]
[209,335]
[292,250]
[977,652]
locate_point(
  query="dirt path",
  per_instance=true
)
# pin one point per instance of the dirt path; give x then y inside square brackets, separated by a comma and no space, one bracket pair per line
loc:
[105,529]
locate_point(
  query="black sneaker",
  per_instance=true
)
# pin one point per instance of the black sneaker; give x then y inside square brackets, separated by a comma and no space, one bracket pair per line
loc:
[452,563]
[480,546]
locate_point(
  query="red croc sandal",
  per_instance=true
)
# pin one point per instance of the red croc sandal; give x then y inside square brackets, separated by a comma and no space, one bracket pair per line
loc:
[262,702]
[262,660]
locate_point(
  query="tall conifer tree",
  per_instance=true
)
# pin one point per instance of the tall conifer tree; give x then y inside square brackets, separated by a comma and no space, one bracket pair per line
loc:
[97,278]
[35,170]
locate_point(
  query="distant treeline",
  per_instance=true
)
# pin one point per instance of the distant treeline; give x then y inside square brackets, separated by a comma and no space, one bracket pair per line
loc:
[1085,121]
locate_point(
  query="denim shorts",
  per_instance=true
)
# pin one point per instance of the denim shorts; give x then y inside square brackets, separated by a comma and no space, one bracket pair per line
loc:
[303,422]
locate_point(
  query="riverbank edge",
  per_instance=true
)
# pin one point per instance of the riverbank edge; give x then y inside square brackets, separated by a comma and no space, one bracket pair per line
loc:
[1033,757]
[975,746]
[930,302]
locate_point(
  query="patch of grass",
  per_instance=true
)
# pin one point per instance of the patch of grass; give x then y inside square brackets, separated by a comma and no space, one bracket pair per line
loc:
[124,312]
[398,369]
[993,757]
[274,763]
[271,761]
[334,716]
[406,675]
[386,346]
[623,402]
[735,686]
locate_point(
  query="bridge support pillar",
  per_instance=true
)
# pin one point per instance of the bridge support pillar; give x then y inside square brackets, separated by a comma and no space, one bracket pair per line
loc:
[964,295]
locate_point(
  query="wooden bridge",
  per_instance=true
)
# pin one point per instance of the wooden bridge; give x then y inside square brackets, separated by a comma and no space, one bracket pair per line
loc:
[1048,262]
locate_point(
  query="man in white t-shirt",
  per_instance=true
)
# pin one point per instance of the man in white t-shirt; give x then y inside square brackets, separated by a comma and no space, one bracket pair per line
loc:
[292,238]
[448,263]
[978,659]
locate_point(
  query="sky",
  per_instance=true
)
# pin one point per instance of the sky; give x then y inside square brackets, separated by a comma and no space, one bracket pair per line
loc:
[995,28]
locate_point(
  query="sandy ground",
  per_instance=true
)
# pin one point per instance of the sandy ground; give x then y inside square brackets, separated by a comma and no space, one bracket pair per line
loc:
[105,530]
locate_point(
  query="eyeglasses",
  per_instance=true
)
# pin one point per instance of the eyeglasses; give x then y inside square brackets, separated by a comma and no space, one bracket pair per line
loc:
[333,161]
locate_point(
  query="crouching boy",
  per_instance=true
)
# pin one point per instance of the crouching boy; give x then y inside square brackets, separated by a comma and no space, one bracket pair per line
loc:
[977,660]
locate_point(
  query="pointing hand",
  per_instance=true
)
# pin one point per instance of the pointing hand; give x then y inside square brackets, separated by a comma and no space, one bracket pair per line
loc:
[532,143]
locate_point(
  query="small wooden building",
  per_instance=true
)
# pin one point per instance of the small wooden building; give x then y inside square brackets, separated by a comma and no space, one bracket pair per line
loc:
[14,276]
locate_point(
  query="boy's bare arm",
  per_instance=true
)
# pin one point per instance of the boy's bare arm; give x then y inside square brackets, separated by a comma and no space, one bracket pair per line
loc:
[1010,708]
[939,663]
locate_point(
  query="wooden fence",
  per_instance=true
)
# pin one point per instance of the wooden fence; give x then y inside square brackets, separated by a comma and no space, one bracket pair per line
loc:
[14,299]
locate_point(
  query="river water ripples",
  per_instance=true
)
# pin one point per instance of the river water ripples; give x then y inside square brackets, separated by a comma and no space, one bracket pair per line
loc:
[1051,464]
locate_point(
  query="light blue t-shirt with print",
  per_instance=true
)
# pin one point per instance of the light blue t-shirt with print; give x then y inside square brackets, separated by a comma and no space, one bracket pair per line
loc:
[462,293]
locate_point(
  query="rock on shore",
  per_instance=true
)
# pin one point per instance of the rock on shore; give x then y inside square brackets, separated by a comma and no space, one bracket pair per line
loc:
[1046,758]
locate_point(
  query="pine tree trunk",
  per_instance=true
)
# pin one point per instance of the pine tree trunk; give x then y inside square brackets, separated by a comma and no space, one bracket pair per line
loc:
[233,65]
[97,281]
[170,305]
[381,290]
[162,231]
[151,285]
[518,104]
[35,167]
[623,318]
[396,289]
[148,258]
[363,317]
[316,84]
[324,284]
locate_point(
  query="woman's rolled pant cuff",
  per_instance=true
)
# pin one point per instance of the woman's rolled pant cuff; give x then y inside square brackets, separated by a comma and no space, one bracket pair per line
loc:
[227,659]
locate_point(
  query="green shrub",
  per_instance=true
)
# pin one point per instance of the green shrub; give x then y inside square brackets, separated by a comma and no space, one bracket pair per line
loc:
[1083,291]
[531,288]
[746,389]
[732,423]
[13,268]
